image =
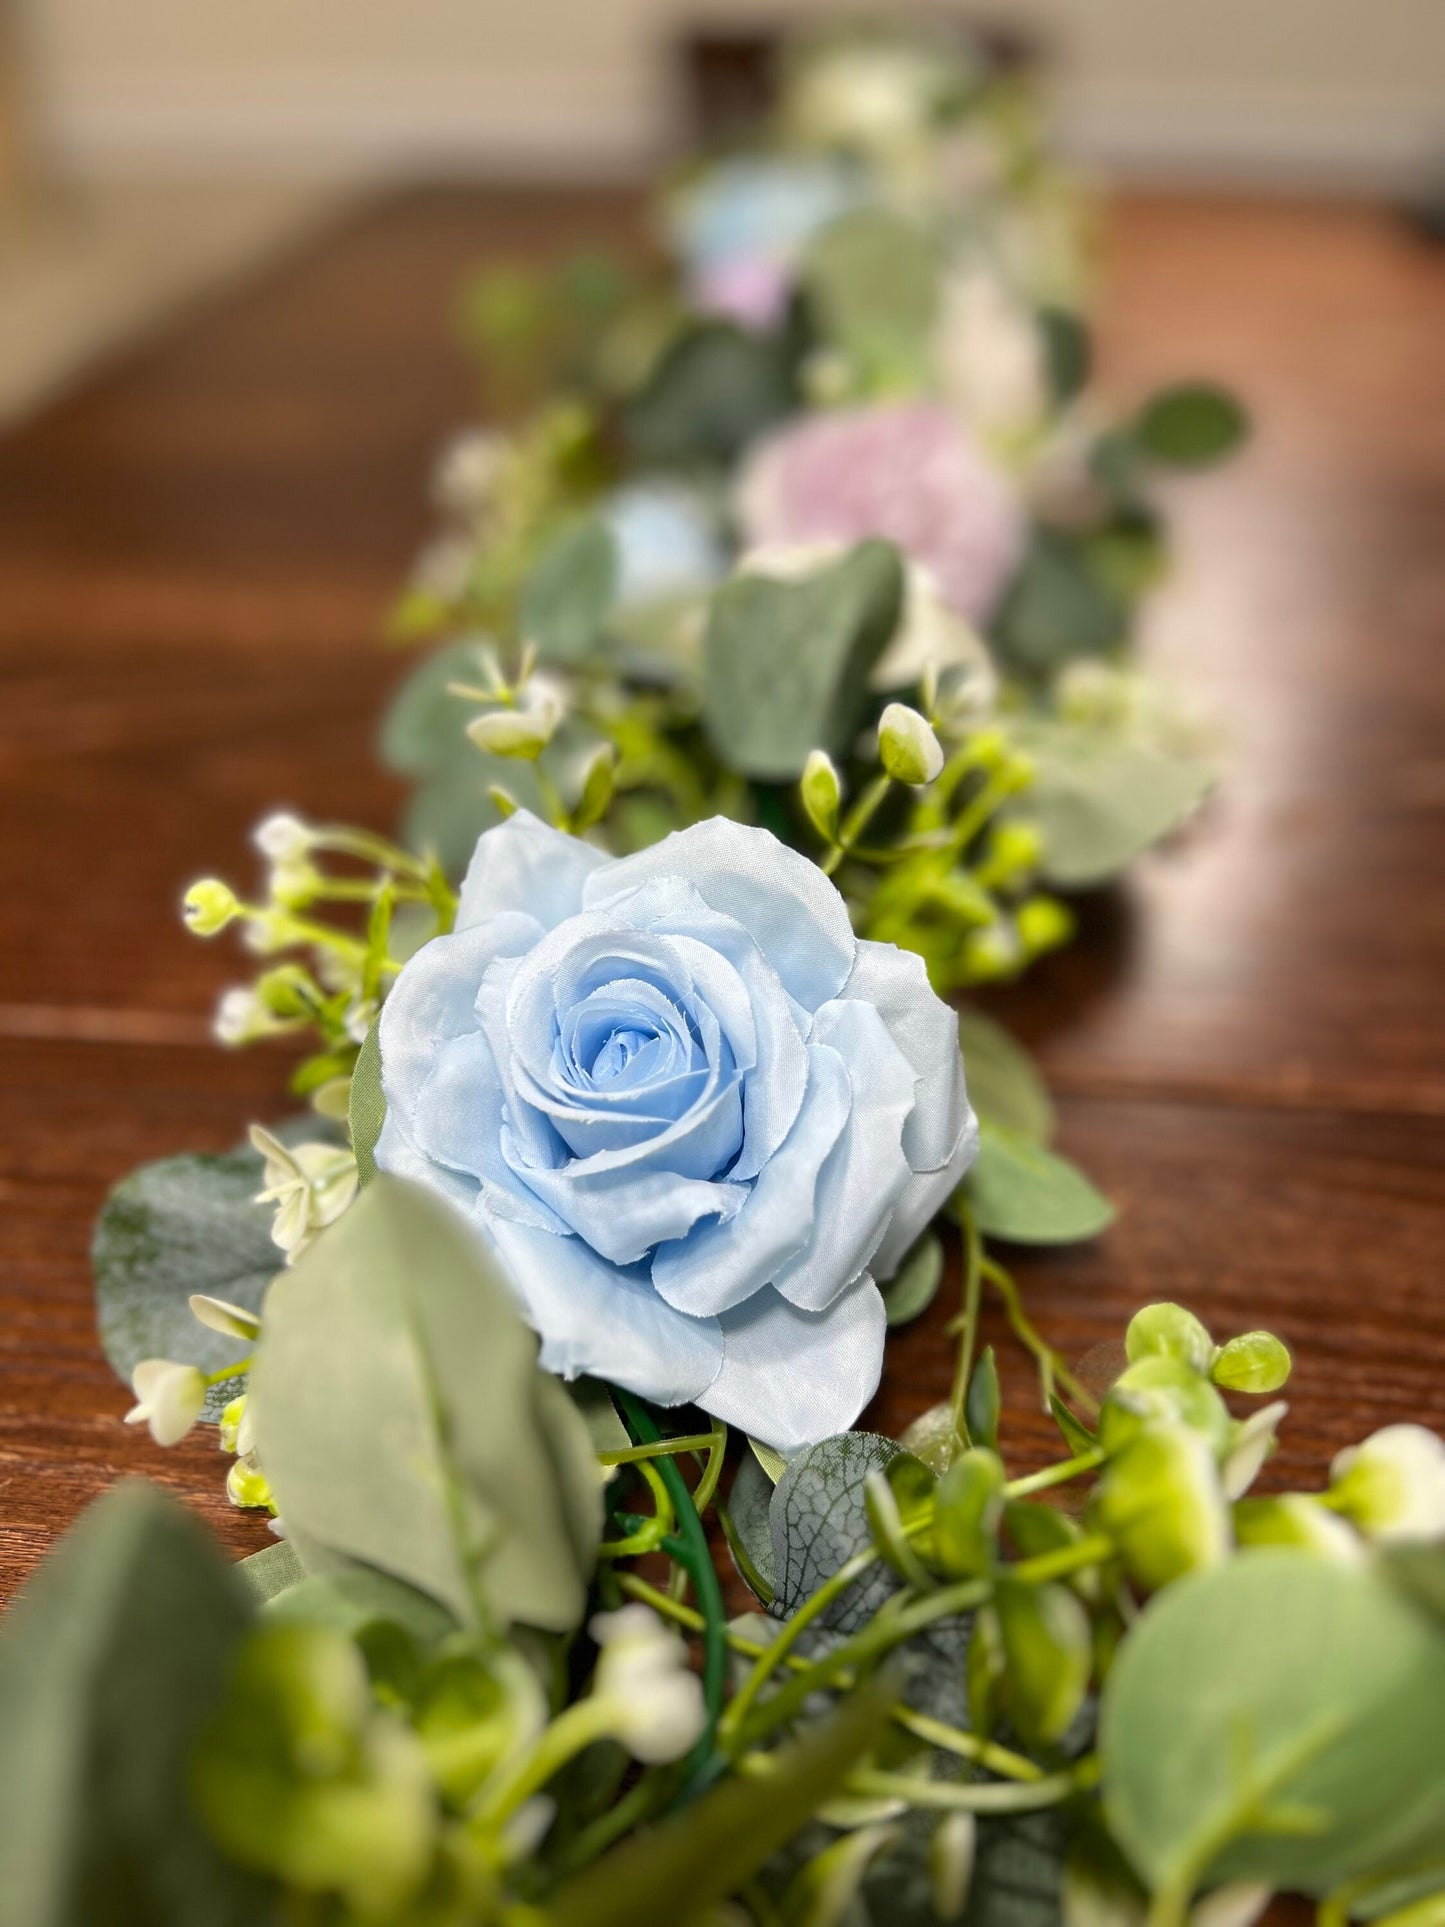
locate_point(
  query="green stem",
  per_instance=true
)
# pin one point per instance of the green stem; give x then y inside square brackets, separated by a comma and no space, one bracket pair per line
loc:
[816,1604]
[968,1335]
[962,1796]
[1052,1369]
[1051,1475]
[660,1449]
[690,1548]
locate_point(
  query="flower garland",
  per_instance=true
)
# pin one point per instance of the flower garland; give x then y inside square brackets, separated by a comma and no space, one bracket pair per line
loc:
[633,1106]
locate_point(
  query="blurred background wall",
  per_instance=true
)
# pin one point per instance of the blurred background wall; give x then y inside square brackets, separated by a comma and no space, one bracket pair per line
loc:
[1330,94]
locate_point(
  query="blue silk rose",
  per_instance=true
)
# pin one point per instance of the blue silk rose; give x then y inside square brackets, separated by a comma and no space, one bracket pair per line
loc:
[695,1117]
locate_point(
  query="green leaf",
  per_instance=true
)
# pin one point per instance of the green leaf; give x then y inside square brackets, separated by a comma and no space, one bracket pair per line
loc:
[1057,608]
[565,598]
[819,1519]
[1020,1191]
[721,1840]
[1276,1719]
[357,1599]
[183,1225]
[872,279]
[367,1106]
[1100,802]
[270,1571]
[785,664]
[599,1413]
[714,390]
[1190,425]
[425,724]
[1067,350]
[914,1286]
[404,1425]
[1004,1085]
[748,1505]
[111,1662]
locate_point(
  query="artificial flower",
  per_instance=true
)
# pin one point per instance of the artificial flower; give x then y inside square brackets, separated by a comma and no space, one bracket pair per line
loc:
[169,1398]
[642,1671]
[741,227]
[309,1184]
[691,1112]
[1392,1485]
[906,471]
[667,544]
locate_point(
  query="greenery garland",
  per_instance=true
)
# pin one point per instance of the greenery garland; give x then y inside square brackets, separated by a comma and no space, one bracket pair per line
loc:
[488,1674]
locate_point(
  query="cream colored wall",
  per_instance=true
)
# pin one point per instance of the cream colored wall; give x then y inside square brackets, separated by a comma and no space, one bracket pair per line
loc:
[1328,91]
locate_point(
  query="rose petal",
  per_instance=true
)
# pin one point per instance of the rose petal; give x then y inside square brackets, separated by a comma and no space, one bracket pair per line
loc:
[611,1324]
[796,917]
[790,1377]
[925,1029]
[866,1172]
[523,864]
[718,1265]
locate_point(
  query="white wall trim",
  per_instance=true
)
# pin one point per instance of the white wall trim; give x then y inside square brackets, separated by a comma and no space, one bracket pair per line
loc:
[556,126]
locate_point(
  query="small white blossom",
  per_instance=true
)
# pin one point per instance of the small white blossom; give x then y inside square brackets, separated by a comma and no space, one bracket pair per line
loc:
[643,1673]
[467,471]
[526,730]
[169,1396]
[990,357]
[241,1018]
[310,1185]
[282,837]
[1250,1446]
[1392,1486]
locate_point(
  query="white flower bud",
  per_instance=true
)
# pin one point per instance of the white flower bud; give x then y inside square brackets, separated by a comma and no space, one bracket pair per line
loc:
[1250,1445]
[1253,1362]
[169,1396]
[241,1018]
[908,748]
[524,731]
[310,1185]
[232,1321]
[822,792]
[208,906]
[468,470]
[283,838]
[1172,1332]
[1393,1485]
[642,1672]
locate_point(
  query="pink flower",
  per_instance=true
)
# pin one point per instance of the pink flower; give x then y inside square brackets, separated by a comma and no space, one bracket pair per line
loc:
[905,471]
[750,289]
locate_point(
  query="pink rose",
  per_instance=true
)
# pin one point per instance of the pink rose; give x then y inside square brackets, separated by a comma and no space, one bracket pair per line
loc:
[905,471]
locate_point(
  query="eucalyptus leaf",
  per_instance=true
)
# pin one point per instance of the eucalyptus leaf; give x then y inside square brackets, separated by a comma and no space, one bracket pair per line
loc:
[1067,351]
[1101,801]
[914,1286]
[785,664]
[819,1520]
[748,1506]
[404,1425]
[871,277]
[604,1425]
[1020,1191]
[270,1571]
[182,1225]
[366,1106]
[565,598]
[1190,425]
[1057,608]
[358,1599]
[111,1663]
[1276,1718]
[1004,1085]
[425,723]
[714,390]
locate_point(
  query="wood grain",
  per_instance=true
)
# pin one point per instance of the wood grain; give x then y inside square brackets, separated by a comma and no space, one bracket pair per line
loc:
[195,553]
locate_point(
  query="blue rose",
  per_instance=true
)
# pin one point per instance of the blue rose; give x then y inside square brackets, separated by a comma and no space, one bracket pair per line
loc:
[691,1112]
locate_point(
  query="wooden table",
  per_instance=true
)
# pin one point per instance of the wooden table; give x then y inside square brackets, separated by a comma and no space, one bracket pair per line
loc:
[1248,1043]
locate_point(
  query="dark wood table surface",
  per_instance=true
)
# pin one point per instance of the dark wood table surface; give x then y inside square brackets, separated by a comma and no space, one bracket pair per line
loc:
[196,549]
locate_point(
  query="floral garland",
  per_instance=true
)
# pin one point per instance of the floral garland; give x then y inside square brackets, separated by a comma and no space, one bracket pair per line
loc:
[634,1103]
